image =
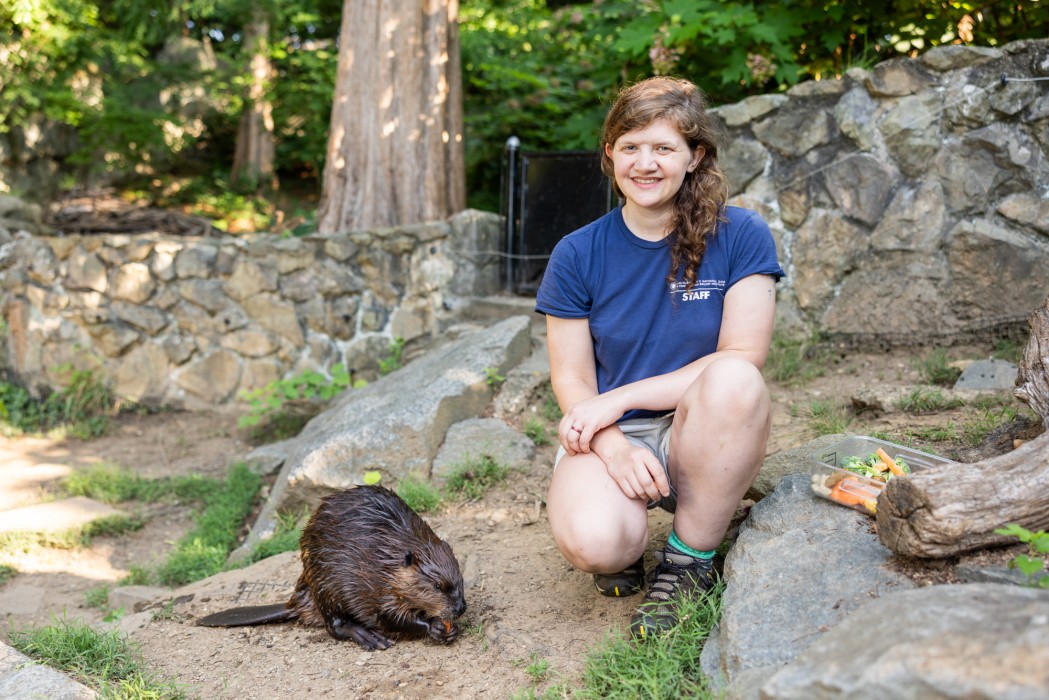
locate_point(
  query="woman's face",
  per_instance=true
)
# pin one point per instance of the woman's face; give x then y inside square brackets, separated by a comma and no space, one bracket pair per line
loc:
[650,164]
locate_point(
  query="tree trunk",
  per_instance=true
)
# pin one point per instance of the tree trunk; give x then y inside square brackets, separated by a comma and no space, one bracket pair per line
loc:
[1033,381]
[946,511]
[254,155]
[395,145]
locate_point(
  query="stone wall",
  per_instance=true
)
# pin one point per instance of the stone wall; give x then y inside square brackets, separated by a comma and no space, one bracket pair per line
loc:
[910,202]
[190,322]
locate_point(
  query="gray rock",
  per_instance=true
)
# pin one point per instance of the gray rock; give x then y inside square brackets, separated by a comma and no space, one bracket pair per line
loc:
[396,424]
[799,567]
[976,640]
[21,678]
[474,438]
[988,375]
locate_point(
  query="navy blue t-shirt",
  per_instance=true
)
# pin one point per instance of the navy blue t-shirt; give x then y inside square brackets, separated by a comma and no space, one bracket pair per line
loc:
[641,327]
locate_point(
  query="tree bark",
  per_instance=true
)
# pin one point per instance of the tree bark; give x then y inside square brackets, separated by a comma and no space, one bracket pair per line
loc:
[255,151]
[395,145]
[1033,378]
[946,511]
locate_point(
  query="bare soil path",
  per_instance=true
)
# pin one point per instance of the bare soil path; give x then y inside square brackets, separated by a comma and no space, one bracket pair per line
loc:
[527,609]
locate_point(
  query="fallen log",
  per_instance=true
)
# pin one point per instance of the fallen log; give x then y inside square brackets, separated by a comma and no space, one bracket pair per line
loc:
[950,510]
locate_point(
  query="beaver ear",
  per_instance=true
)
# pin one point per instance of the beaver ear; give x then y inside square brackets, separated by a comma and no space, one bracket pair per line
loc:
[408,558]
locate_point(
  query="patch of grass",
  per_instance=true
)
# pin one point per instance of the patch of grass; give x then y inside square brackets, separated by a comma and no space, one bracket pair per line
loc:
[105,661]
[980,424]
[935,368]
[550,410]
[793,361]
[97,597]
[825,418]
[82,409]
[928,401]
[420,495]
[203,551]
[537,431]
[1008,350]
[110,526]
[137,576]
[112,484]
[285,537]
[472,478]
[7,572]
[665,666]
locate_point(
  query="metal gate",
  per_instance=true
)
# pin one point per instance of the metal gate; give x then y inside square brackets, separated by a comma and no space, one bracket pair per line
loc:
[545,196]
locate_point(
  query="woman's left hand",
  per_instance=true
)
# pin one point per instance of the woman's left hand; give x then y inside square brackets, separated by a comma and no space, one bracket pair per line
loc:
[584,420]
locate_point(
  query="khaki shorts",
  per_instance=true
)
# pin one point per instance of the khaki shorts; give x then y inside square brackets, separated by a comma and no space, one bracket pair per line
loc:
[654,435]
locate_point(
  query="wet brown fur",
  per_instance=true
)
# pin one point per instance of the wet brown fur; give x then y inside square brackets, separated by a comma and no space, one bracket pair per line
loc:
[372,571]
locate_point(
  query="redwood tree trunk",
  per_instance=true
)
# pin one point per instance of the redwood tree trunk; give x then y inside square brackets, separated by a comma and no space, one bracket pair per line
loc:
[254,155]
[395,145]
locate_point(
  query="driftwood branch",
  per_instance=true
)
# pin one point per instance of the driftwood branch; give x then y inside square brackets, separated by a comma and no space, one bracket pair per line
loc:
[946,511]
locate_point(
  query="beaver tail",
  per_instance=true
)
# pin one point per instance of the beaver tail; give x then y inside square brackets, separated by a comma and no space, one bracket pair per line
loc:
[249,615]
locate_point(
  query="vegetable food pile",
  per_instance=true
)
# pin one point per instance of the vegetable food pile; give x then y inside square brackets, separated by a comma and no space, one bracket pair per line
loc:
[861,494]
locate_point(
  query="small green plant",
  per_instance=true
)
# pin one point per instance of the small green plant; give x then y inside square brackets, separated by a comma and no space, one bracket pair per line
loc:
[110,526]
[419,494]
[310,386]
[472,478]
[97,597]
[137,576]
[392,361]
[824,418]
[928,401]
[536,431]
[935,368]
[1008,350]
[105,661]
[7,572]
[550,410]
[980,424]
[1032,564]
[167,612]
[492,377]
[792,360]
[82,409]
[285,538]
[537,669]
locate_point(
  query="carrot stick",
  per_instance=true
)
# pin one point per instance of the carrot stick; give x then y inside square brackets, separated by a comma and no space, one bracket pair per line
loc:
[889,462]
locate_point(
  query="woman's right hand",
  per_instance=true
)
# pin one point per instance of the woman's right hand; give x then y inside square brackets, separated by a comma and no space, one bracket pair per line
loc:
[638,473]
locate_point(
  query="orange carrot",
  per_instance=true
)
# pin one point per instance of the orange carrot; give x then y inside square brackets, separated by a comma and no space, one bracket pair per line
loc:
[889,462]
[841,495]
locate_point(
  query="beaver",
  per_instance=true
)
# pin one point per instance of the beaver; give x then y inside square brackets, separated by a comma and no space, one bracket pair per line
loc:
[372,571]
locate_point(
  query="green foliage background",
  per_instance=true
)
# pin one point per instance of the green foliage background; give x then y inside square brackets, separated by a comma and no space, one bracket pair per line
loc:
[95,72]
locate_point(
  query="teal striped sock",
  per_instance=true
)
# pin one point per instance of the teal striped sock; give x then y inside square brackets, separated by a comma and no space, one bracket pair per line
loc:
[675,542]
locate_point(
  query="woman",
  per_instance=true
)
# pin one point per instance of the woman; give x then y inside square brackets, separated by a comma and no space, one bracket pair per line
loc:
[659,319]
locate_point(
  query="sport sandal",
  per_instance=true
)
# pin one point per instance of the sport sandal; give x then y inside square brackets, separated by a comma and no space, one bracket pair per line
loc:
[626,582]
[676,575]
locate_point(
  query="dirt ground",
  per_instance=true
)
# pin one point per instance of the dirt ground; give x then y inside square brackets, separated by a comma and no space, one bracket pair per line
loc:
[531,618]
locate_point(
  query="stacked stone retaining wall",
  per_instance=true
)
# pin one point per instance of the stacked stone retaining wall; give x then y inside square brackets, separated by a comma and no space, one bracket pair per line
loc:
[909,202]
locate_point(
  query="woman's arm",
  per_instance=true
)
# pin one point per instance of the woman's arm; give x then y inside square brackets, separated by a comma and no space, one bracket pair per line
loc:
[573,376]
[746,331]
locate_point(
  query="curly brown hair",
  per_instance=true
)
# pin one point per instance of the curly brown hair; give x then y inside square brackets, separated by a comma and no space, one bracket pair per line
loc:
[700,202]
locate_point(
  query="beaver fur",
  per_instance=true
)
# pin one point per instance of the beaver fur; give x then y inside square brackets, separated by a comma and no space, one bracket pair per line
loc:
[372,571]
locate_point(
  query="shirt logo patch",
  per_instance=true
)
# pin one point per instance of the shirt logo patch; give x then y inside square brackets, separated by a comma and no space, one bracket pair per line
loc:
[702,290]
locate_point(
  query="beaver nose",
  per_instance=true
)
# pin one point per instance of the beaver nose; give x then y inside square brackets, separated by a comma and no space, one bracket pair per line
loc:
[460,607]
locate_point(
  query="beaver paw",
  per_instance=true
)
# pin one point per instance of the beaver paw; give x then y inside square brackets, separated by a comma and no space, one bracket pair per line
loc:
[443,631]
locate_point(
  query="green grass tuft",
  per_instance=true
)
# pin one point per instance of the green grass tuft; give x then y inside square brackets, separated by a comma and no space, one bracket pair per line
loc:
[419,494]
[105,661]
[472,478]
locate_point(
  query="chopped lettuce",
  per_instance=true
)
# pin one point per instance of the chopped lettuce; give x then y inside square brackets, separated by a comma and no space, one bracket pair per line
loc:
[872,466]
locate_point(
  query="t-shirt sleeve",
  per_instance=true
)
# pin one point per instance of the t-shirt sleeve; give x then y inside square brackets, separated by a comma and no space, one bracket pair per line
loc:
[562,292]
[754,251]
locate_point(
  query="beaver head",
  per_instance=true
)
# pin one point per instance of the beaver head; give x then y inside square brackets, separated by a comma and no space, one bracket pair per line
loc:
[429,586]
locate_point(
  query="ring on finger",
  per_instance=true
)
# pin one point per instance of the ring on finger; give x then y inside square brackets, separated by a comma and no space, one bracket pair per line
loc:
[577,429]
